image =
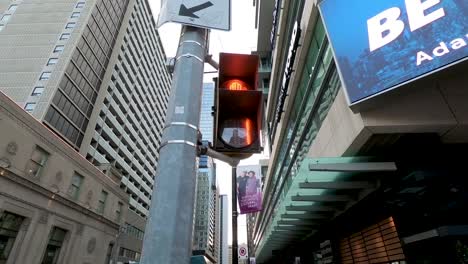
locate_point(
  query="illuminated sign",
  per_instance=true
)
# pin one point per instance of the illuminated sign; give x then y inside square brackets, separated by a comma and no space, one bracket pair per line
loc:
[380,45]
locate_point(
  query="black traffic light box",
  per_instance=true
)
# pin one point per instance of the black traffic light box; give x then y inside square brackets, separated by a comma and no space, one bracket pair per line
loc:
[238,106]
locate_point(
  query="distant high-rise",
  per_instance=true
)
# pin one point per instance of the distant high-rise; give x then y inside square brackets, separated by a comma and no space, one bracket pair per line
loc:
[230,254]
[223,229]
[206,238]
[206,118]
[93,72]
[205,235]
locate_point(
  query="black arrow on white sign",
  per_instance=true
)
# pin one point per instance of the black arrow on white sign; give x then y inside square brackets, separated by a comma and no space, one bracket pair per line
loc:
[189,12]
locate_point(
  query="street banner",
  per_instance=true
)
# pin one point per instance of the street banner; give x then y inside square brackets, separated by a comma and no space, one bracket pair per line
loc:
[249,195]
[213,14]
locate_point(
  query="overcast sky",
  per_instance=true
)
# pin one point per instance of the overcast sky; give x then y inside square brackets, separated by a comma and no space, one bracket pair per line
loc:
[241,39]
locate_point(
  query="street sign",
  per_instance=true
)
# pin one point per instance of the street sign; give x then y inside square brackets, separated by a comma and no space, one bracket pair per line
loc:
[213,14]
[242,252]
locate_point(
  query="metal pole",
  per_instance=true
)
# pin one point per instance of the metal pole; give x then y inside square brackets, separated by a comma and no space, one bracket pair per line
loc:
[168,233]
[235,258]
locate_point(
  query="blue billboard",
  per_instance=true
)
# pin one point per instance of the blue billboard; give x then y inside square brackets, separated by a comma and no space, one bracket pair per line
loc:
[381,44]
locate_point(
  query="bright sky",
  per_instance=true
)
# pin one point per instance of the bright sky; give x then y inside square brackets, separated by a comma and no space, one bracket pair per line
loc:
[241,39]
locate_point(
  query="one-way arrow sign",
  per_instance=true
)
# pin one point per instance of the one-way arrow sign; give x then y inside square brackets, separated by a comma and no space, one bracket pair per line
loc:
[190,12]
[215,14]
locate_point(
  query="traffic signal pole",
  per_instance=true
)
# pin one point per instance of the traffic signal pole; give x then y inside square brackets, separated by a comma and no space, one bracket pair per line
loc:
[235,246]
[168,233]
[205,150]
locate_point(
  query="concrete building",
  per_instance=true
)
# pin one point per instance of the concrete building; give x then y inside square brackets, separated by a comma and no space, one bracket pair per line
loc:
[207,231]
[206,226]
[206,118]
[55,206]
[93,72]
[223,229]
[230,254]
[377,182]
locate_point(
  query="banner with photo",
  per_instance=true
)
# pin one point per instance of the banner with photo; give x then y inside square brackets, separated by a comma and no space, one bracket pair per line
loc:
[249,194]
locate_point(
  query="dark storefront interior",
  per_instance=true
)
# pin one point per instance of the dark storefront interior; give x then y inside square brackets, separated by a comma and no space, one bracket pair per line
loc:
[427,198]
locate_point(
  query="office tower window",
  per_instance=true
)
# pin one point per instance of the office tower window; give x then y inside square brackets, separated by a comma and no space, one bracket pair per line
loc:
[65,36]
[12,8]
[59,48]
[75,15]
[118,212]
[52,253]
[102,202]
[37,162]
[38,90]
[45,76]
[52,61]
[9,227]
[5,18]
[29,107]
[75,186]
[80,4]
[70,25]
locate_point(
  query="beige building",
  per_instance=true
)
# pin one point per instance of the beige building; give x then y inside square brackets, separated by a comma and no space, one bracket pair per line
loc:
[93,72]
[55,206]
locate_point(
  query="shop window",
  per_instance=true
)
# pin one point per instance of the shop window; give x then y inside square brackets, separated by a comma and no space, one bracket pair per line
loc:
[37,162]
[9,227]
[55,243]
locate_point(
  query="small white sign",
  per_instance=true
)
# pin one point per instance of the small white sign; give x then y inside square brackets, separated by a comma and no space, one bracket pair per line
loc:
[243,252]
[214,14]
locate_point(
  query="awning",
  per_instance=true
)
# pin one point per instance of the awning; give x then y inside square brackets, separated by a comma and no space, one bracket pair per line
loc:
[322,189]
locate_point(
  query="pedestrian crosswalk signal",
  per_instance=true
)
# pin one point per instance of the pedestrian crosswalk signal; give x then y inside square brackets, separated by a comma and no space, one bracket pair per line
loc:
[238,115]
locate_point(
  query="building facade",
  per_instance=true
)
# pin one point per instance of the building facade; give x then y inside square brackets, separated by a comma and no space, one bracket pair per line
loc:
[206,226]
[230,255]
[223,229]
[93,72]
[378,183]
[206,118]
[55,206]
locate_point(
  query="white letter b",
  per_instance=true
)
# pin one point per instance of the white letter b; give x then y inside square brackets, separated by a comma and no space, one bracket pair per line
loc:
[387,21]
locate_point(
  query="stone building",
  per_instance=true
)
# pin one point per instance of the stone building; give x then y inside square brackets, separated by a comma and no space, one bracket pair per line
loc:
[55,206]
